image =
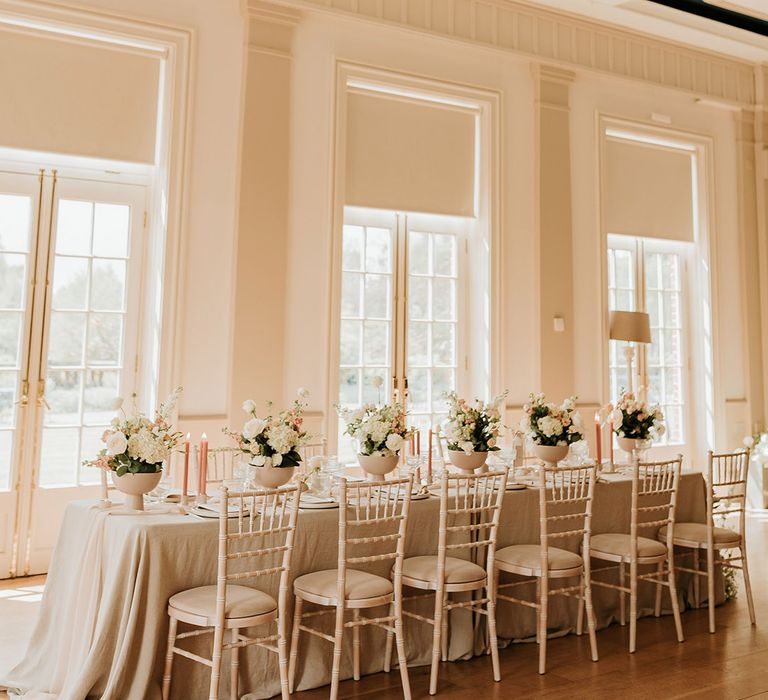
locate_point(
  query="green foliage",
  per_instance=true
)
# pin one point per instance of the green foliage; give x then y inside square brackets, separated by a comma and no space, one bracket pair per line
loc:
[123,464]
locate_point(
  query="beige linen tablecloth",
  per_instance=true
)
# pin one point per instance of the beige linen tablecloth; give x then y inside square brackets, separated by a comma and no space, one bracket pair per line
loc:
[103,622]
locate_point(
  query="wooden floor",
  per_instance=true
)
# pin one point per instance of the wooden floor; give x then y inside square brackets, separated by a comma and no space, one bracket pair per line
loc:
[733,663]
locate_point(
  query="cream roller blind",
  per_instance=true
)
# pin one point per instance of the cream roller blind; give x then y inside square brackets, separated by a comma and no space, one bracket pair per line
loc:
[83,99]
[647,190]
[409,155]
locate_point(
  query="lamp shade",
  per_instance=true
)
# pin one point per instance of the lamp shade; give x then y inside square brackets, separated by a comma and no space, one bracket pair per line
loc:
[632,326]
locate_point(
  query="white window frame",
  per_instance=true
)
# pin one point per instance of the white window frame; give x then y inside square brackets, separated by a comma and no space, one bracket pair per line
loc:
[486,372]
[402,224]
[639,247]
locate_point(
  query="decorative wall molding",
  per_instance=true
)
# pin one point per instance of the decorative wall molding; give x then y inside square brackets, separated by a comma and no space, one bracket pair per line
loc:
[555,36]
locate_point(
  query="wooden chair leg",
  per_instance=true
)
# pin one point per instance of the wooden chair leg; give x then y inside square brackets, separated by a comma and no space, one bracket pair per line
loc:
[338,641]
[632,606]
[580,613]
[659,574]
[493,640]
[538,598]
[711,588]
[234,666]
[591,625]
[444,631]
[622,596]
[388,647]
[356,646]
[747,584]
[400,642]
[673,596]
[169,658]
[437,628]
[282,652]
[696,582]
[543,612]
[297,605]
[218,643]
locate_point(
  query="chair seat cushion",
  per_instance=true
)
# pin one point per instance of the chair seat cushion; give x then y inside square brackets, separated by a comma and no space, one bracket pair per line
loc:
[620,544]
[456,570]
[242,601]
[360,584]
[697,532]
[529,556]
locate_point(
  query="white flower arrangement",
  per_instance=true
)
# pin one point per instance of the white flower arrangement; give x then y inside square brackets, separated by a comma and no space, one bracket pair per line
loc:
[379,430]
[549,424]
[636,419]
[135,444]
[472,428]
[273,441]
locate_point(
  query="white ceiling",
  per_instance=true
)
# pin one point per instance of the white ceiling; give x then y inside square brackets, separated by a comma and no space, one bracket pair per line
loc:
[673,25]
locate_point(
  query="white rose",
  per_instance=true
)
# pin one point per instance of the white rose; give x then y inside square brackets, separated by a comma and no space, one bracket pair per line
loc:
[117,443]
[117,404]
[249,406]
[394,442]
[254,427]
[467,447]
[258,461]
[748,441]
[303,392]
[377,381]
[277,459]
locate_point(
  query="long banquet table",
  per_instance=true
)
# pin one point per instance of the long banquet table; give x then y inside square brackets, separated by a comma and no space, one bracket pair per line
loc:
[102,626]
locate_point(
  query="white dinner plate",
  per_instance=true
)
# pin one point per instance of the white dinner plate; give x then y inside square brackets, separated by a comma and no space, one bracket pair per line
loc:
[317,505]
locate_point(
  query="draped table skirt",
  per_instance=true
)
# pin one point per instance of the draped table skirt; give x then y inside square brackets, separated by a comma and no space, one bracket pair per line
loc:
[102,626]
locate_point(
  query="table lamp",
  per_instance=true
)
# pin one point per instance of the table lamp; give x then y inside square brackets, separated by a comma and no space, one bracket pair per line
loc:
[632,327]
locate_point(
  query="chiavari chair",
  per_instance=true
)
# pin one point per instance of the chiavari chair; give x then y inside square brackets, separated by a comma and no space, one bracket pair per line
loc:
[470,507]
[726,496]
[565,513]
[222,462]
[373,516]
[259,544]
[654,496]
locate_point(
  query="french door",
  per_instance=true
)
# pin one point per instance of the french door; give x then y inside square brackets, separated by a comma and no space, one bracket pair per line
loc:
[648,274]
[402,312]
[70,268]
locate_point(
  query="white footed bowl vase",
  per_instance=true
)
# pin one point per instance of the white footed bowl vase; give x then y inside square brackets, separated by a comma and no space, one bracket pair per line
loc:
[551,454]
[273,477]
[134,486]
[377,466]
[467,462]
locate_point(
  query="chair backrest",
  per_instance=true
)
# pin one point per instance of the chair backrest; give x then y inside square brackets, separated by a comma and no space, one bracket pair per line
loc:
[470,507]
[727,486]
[316,448]
[221,464]
[373,516]
[654,497]
[259,540]
[565,507]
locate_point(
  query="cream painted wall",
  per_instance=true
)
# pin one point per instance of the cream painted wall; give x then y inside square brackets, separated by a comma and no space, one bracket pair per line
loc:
[320,40]
[208,240]
[300,357]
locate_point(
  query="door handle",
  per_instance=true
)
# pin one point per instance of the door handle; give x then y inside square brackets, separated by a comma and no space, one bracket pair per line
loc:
[41,395]
[24,398]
